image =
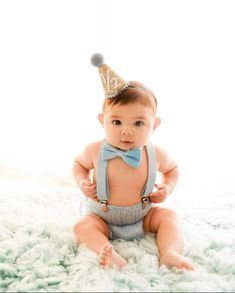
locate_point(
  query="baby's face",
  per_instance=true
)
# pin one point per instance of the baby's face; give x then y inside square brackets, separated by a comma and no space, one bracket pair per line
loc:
[128,126]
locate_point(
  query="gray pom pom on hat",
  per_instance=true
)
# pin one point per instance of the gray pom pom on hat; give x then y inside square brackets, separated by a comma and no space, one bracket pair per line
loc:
[97,59]
[112,83]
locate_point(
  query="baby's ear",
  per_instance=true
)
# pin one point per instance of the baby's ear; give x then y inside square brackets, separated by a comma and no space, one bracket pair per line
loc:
[101,118]
[156,122]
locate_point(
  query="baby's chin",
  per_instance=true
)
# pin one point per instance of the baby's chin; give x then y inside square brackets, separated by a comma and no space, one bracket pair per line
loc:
[125,145]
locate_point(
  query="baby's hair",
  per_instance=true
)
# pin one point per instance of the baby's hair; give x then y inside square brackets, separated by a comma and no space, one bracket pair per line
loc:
[136,92]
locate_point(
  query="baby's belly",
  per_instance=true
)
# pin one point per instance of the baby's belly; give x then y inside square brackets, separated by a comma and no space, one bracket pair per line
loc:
[124,196]
[125,192]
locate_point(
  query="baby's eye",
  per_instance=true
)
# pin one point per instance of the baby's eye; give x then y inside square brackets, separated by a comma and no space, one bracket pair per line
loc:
[139,123]
[116,122]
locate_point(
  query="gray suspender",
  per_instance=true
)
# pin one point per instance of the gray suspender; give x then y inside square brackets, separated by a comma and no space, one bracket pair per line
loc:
[102,178]
[152,167]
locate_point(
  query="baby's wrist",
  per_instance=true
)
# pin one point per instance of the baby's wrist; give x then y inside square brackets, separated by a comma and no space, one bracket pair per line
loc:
[80,183]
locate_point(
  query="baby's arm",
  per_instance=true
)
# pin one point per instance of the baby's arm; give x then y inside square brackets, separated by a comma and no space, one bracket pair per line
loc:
[82,166]
[170,173]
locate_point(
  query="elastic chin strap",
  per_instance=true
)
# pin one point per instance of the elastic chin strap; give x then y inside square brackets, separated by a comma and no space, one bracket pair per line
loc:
[137,87]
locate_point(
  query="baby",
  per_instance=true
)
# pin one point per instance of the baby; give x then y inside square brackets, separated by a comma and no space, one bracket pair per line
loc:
[117,176]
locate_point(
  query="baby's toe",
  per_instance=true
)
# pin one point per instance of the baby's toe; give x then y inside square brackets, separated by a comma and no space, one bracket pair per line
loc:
[186,265]
[106,249]
[189,266]
[102,262]
[105,255]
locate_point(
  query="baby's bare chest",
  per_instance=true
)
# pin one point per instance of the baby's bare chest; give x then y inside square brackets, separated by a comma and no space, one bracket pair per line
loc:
[121,174]
[125,183]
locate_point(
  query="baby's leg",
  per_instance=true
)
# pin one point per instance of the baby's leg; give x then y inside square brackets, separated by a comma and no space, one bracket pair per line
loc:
[94,232]
[165,223]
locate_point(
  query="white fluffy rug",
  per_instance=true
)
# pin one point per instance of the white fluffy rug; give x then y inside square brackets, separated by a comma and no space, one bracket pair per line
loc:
[38,251]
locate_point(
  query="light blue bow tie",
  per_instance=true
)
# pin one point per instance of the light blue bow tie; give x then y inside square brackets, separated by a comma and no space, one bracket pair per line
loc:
[132,157]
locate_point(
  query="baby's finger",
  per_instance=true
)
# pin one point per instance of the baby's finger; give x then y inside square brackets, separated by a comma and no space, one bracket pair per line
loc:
[156,200]
[153,198]
[94,197]
[156,193]
[159,186]
[90,188]
[91,192]
[84,182]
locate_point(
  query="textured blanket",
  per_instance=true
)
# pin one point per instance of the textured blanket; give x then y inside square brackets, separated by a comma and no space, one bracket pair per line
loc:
[38,250]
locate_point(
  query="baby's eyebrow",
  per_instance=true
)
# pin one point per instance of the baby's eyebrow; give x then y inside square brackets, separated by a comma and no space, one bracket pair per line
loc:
[141,117]
[114,117]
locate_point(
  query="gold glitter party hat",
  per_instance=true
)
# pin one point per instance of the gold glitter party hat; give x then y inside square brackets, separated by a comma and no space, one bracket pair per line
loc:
[112,83]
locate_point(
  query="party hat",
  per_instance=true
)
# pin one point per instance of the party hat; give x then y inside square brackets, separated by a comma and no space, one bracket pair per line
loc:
[112,83]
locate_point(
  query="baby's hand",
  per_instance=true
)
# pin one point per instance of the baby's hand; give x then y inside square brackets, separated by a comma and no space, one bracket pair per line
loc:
[88,189]
[161,194]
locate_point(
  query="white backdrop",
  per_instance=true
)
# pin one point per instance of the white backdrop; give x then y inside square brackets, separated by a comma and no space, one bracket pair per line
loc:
[50,95]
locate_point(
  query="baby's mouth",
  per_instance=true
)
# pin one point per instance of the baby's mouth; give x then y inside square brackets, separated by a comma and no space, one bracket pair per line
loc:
[126,141]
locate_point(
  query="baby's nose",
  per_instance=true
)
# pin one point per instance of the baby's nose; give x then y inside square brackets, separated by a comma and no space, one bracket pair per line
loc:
[127,131]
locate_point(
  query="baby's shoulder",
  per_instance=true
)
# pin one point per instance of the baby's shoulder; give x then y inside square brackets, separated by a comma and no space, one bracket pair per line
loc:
[89,154]
[93,147]
[165,161]
[160,152]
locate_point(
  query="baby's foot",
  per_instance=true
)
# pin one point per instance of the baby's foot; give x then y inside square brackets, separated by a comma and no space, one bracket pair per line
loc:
[109,258]
[174,259]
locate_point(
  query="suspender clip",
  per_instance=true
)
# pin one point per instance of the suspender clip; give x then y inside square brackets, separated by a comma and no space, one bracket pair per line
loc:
[145,201]
[104,205]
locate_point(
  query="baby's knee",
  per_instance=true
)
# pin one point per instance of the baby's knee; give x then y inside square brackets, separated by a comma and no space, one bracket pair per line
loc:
[81,226]
[77,227]
[89,223]
[169,214]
